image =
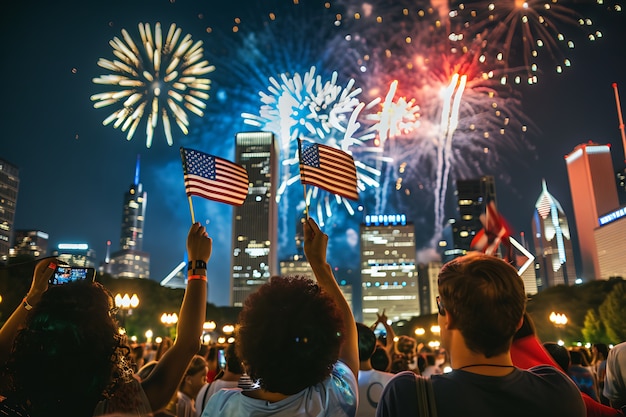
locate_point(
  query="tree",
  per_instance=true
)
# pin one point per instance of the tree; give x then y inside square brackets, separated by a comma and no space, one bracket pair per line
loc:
[613,311]
[593,329]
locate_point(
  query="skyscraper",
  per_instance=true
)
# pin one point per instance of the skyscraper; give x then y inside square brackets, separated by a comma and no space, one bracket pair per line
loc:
[554,256]
[472,198]
[9,184]
[388,270]
[255,223]
[130,261]
[30,242]
[594,193]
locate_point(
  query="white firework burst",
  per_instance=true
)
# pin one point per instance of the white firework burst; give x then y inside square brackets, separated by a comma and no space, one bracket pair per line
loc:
[307,107]
[161,80]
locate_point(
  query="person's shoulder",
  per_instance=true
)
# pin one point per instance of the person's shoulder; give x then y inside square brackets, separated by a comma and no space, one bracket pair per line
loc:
[222,399]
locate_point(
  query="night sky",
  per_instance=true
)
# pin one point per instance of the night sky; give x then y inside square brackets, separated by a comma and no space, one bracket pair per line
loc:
[74,171]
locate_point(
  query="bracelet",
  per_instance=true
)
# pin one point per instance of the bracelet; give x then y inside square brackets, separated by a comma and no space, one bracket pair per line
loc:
[193,277]
[26,305]
[199,264]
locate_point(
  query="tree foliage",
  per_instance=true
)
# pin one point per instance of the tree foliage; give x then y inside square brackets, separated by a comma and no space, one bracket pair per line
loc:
[613,312]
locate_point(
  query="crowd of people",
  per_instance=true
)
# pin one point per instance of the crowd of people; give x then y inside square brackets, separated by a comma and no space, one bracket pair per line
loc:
[298,351]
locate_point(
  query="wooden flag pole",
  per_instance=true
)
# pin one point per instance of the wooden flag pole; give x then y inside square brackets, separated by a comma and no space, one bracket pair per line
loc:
[306,206]
[193,218]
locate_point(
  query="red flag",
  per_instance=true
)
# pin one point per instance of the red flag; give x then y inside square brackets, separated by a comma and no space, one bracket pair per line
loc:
[495,232]
[328,168]
[214,178]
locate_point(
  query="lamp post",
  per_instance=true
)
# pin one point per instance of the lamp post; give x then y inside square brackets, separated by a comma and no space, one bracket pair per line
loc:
[559,320]
[208,327]
[170,320]
[125,303]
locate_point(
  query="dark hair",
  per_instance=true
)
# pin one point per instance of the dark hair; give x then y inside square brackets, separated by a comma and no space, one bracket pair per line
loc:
[69,355]
[577,357]
[289,334]
[486,298]
[232,360]
[196,364]
[559,353]
[380,359]
[602,348]
[367,342]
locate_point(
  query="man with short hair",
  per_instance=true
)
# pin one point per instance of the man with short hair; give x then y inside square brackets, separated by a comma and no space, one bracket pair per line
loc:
[371,382]
[481,305]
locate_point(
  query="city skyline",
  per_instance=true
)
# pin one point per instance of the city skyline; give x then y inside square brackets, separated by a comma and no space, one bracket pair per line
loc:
[73,170]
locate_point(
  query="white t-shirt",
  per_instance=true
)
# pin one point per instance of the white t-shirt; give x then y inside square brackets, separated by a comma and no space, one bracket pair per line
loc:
[371,385]
[208,390]
[615,377]
[336,396]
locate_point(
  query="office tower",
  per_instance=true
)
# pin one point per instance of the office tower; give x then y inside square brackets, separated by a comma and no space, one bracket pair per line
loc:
[611,243]
[427,275]
[130,261]
[9,184]
[76,254]
[554,256]
[30,242]
[592,185]
[388,270]
[472,198]
[255,222]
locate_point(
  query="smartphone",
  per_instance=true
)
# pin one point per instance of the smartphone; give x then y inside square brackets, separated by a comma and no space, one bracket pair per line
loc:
[65,274]
[221,358]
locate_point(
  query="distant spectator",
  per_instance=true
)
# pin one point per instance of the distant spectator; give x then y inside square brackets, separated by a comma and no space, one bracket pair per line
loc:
[371,382]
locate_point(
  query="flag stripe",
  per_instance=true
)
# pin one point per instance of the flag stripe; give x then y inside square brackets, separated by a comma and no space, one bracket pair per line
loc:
[214,178]
[330,169]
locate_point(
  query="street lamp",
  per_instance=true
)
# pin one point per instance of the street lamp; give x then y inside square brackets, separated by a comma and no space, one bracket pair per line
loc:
[170,320]
[208,327]
[126,303]
[559,320]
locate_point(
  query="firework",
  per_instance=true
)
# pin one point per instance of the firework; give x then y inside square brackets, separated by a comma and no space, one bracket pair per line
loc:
[517,32]
[466,113]
[164,79]
[307,107]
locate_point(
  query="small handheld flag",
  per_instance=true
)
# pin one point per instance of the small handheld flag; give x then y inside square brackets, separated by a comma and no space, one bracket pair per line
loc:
[214,178]
[328,168]
[495,232]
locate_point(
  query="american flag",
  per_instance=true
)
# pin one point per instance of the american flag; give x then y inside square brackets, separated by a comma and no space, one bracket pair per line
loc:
[328,168]
[495,232]
[213,177]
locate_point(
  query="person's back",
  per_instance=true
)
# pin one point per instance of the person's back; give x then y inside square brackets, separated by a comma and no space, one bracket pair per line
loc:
[371,381]
[298,339]
[581,375]
[481,306]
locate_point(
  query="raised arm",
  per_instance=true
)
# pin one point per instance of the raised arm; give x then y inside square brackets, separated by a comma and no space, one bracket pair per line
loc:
[315,245]
[43,272]
[391,335]
[167,374]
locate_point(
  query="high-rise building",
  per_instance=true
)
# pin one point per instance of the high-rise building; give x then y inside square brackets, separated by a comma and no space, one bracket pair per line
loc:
[472,198]
[611,244]
[594,193]
[30,242]
[427,275]
[255,222]
[130,261]
[554,256]
[76,254]
[9,184]
[388,269]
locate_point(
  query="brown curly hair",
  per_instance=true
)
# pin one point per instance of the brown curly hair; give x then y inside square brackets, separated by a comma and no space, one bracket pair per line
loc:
[70,354]
[289,334]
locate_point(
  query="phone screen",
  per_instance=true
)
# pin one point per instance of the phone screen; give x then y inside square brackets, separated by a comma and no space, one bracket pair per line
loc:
[221,358]
[65,274]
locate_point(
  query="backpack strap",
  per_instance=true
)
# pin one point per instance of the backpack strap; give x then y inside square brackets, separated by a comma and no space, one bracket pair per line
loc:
[425,397]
